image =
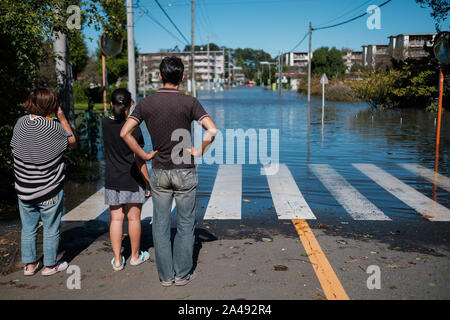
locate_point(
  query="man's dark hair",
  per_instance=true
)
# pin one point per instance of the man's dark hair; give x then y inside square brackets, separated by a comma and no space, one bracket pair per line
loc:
[171,69]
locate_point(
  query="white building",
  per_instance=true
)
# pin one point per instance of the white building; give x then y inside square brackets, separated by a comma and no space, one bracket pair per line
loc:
[296,59]
[351,58]
[411,45]
[373,54]
[152,60]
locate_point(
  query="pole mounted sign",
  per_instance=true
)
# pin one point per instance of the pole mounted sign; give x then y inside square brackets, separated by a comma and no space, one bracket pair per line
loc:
[323,81]
[110,46]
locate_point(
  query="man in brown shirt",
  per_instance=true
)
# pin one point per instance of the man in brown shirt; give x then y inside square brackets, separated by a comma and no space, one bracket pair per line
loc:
[168,115]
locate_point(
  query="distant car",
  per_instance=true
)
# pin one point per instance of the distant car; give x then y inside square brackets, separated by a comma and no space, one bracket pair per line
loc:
[250,85]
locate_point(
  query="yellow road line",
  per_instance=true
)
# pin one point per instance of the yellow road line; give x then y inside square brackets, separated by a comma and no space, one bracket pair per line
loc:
[330,283]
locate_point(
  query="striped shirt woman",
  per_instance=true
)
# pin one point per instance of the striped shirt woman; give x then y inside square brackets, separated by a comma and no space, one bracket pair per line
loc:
[38,145]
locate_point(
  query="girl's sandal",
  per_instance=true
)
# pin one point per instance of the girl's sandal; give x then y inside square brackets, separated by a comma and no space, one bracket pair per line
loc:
[144,257]
[119,267]
[32,272]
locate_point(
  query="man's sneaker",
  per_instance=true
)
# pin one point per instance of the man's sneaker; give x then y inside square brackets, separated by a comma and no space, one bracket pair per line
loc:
[166,283]
[186,281]
[60,266]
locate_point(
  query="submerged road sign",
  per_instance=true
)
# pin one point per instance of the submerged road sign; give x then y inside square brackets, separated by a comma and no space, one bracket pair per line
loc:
[323,81]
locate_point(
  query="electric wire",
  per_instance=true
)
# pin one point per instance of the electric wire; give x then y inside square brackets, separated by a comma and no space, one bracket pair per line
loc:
[171,21]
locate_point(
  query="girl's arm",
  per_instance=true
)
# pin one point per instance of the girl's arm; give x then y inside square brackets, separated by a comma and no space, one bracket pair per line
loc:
[142,165]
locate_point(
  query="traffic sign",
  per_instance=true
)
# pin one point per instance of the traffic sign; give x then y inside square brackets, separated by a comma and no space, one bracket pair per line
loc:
[324,79]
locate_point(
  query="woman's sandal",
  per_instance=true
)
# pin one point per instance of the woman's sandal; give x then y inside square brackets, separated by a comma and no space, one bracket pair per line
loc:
[32,272]
[144,257]
[119,267]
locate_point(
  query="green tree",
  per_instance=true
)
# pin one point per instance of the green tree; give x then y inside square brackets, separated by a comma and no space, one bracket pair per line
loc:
[328,61]
[250,61]
[117,66]
[24,27]
[78,52]
[440,9]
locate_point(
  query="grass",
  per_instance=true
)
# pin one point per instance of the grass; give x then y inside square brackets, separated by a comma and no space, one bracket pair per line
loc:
[84,106]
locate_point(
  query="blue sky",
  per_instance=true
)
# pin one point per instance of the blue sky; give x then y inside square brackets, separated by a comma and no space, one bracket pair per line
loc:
[273,25]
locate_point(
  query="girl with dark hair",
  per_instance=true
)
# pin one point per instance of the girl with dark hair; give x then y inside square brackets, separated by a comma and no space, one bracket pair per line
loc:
[126,178]
[38,145]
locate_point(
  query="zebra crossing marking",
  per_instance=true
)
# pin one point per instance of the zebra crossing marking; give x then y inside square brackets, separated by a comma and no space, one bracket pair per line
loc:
[287,198]
[89,209]
[428,174]
[351,199]
[147,209]
[413,198]
[226,197]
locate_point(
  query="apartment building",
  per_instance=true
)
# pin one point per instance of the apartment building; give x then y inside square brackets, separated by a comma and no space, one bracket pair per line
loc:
[375,54]
[351,58]
[296,59]
[411,45]
[148,66]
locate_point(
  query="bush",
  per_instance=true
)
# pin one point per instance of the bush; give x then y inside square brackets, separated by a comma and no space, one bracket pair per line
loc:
[411,83]
[336,90]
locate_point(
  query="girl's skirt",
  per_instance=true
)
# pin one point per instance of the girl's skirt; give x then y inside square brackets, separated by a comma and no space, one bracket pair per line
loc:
[117,197]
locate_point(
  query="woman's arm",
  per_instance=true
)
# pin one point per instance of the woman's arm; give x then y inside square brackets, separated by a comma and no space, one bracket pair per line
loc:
[62,119]
[142,165]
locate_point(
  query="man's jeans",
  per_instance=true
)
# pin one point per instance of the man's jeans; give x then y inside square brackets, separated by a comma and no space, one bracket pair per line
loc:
[180,184]
[50,212]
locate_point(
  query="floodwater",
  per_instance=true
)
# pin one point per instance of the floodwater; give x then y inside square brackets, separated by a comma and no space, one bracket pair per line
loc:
[351,133]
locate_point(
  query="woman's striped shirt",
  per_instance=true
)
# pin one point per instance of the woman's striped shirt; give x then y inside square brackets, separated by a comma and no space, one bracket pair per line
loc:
[38,146]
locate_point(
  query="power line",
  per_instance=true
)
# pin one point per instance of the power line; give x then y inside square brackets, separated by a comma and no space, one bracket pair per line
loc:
[145,11]
[300,42]
[171,21]
[352,19]
[346,12]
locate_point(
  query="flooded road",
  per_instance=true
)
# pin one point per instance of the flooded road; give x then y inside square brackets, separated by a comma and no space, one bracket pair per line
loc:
[352,134]
[353,193]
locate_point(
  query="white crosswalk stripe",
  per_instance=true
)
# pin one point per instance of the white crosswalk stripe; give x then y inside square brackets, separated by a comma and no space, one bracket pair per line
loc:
[90,209]
[147,209]
[226,196]
[427,174]
[353,201]
[422,204]
[287,198]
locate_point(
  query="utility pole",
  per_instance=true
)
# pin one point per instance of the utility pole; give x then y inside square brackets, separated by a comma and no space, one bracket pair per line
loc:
[229,67]
[209,84]
[309,63]
[223,70]
[279,74]
[144,76]
[193,86]
[131,57]
[64,75]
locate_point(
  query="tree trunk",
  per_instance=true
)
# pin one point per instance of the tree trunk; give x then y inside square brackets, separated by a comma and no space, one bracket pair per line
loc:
[64,76]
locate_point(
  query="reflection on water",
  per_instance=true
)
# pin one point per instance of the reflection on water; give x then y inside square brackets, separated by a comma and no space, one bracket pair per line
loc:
[352,133]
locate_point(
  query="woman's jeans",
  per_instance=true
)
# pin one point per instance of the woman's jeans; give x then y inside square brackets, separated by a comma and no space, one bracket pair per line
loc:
[180,184]
[50,212]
